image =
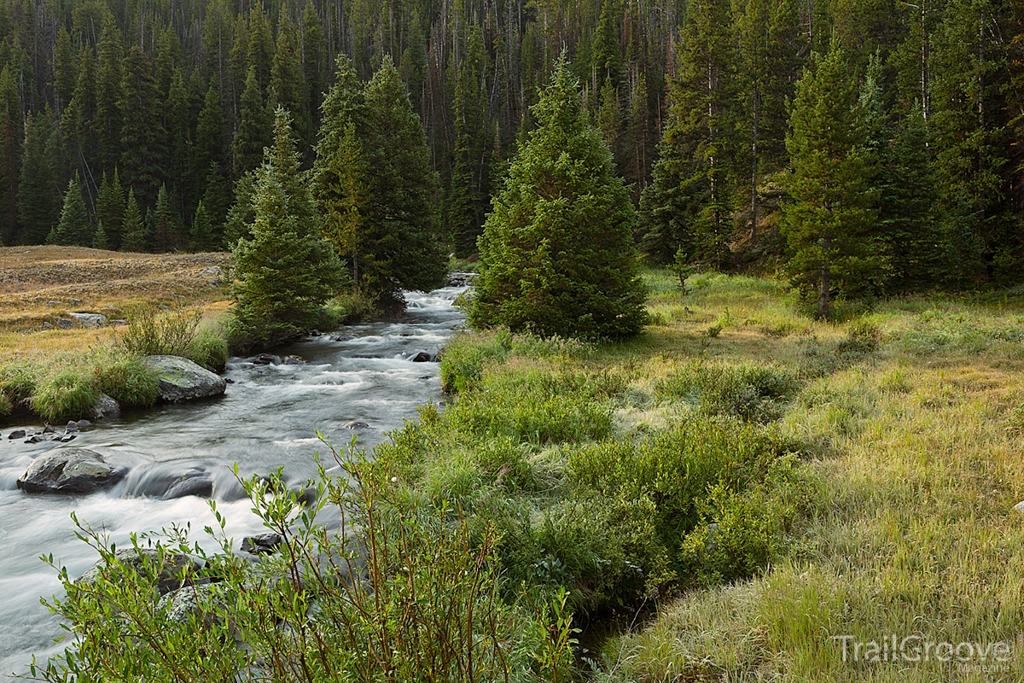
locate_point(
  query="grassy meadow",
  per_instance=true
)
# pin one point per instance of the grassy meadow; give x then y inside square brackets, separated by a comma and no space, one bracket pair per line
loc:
[722,497]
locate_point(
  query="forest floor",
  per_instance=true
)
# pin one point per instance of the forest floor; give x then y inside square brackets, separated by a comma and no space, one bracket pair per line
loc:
[916,450]
[41,284]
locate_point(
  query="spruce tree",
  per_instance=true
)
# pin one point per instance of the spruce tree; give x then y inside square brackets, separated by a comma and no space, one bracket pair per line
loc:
[827,223]
[165,230]
[557,255]
[73,229]
[133,231]
[11,133]
[142,131]
[201,237]
[38,201]
[99,239]
[400,248]
[285,271]
[689,204]
[108,94]
[110,207]
[254,128]
[211,142]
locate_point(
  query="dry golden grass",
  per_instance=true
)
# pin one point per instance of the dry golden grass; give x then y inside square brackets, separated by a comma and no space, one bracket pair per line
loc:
[40,284]
[917,458]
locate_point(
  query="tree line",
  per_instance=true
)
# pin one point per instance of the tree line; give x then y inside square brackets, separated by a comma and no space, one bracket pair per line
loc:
[139,125]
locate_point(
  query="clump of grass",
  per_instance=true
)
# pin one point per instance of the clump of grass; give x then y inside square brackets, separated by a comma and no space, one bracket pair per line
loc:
[749,391]
[65,395]
[129,382]
[17,385]
[209,349]
[151,334]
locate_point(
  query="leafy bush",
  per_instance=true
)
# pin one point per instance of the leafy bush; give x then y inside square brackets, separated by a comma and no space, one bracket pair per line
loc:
[407,594]
[65,395]
[130,382]
[751,392]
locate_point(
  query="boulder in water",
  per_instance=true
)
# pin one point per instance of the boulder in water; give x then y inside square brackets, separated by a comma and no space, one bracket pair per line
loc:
[195,482]
[182,380]
[69,470]
[105,407]
[261,544]
[170,572]
[421,357]
[17,434]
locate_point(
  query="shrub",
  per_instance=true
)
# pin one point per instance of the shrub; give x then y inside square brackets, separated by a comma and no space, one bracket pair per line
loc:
[408,594]
[6,407]
[152,334]
[130,382]
[751,392]
[66,395]
[17,384]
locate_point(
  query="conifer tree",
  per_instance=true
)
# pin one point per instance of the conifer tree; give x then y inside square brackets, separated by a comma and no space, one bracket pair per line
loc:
[73,229]
[108,94]
[400,248]
[827,223]
[38,201]
[110,208]
[689,204]
[285,271]
[211,143]
[254,126]
[11,133]
[557,255]
[216,200]
[288,82]
[134,237]
[99,239]
[142,130]
[314,61]
[201,237]
[339,172]
[165,231]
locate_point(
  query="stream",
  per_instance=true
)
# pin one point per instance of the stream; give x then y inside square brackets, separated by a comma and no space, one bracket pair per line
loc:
[359,380]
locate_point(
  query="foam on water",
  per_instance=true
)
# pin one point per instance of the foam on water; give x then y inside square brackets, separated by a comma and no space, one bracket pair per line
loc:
[267,420]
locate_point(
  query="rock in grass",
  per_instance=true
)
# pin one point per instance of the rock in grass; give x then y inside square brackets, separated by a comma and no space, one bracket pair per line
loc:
[1019,507]
[182,380]
[69,470]
[89,320]
[176,567]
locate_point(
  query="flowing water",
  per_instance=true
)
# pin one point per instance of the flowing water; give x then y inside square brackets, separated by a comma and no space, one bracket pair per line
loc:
[366,384]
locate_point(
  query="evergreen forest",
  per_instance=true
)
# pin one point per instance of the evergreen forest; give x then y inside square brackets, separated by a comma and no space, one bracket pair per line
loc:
[877,142]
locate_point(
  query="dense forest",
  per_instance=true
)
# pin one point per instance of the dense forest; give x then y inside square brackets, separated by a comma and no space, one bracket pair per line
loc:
[134,124]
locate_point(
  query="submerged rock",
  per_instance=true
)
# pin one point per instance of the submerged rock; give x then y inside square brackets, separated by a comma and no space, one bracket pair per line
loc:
[17,434]
[182,380]
[422,357]
[69,470]
[195,482]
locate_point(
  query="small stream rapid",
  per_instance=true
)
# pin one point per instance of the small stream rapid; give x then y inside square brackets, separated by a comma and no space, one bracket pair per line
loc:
[267,419]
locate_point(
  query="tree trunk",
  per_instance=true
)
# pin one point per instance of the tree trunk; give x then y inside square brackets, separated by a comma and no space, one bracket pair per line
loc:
[825,281]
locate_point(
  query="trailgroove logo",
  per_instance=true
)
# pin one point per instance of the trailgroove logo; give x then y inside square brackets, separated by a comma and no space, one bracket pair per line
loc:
[981,657]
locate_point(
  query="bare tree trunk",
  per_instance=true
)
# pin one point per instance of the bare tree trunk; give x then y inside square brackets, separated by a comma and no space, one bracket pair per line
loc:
[825,281]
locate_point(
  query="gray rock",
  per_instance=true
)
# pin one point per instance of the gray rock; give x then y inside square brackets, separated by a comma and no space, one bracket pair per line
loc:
[90,320]
[105,407]
[195,482]
[422,357]
[266,359]
[169,574]
[292,360]
[69,470]
[182,380]
[1019,507]
[196,601]
[119,323]
[72,427]
[261,544]
[17,434]
[355,424]
[47,325]
[65,324]
[74,302]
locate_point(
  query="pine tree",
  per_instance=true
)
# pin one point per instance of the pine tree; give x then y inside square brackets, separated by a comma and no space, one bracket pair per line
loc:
[73,229]
[400,246]
[557,255]
[254,127]
[133,236]
[38,199]
[108,94]
[339,172]
[314,61]
[11,133]
[110,209]
[288,84]
[99,239]
[216,200]
[689,204]
[285,271]
[201,237]
[166,236]
[827,224]
[211,142]
[179,125]
[64,68]
[142,132]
